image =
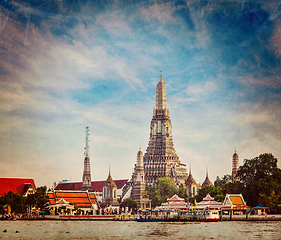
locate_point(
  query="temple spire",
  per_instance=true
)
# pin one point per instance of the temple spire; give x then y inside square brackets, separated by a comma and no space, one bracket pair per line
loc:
[86,179]
[161,98]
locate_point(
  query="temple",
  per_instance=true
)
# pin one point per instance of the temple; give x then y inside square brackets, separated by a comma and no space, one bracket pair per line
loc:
[86,179]
[160,159]
[192,187]
[207,181]
[109,192]
[235,165]
[138,181]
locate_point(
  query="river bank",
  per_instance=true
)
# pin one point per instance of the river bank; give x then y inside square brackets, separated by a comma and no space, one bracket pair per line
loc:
[49,229]
[276,217]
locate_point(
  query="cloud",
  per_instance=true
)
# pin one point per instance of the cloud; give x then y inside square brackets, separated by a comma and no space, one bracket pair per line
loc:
[161,12]
[276,41]
[114,24]
[97,65]
[199,92]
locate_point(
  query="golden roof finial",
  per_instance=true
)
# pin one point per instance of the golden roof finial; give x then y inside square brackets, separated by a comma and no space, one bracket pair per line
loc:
[160,75]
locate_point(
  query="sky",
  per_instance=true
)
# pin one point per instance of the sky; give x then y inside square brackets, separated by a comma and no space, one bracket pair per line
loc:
[69,64]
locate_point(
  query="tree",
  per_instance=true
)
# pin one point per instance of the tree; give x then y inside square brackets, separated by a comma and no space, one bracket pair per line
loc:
[16,201]
[215,192]
[39,199]
[130,203]
[261,181]
[182,193]
[219,182]
[166,188]
[154,195]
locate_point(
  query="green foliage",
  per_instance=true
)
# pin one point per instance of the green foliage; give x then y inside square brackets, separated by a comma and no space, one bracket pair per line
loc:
[39,199]
[219,182]
[165,189]
[130,203]
[16,201]
[232,187]
[182,193]
[215,192]
[152,194]
[261,181]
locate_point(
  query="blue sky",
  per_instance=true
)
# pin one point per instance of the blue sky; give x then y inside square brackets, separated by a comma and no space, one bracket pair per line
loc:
[65,65]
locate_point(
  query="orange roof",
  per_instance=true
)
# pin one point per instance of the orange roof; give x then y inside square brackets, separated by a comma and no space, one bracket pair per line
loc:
[236,200]
[92,195]
[52,201]
[71,194]
[52,198]
[81,199]
[76,200]
[83,205]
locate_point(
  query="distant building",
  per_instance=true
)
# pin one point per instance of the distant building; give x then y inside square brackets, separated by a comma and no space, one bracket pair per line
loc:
[235,165]
[22,186]
[160,158]
[97,187]
[109,193]
[175,203]
[208,203]
[206,182]
[82,199]
[86,179]
[86,194]
[234,204]
[138,180]
[192,188]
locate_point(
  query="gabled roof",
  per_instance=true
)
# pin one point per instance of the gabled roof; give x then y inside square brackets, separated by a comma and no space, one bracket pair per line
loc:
[62,201]
[82,199]
[96,185]
[208,202]
[26,187]
[15,185]
[175,198]
[234,201]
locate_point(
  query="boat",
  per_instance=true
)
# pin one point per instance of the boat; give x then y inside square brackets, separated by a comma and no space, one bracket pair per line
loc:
[207,215]
[157,216]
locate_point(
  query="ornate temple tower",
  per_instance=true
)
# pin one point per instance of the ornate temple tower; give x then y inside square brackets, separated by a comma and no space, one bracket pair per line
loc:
[109,192]
[207,181]
[160,159]
[138,180]
[192,187]
[86,179]
[235,165]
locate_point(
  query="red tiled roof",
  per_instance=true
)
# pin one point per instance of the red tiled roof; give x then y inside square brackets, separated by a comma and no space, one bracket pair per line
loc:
[16,185]
[96,185]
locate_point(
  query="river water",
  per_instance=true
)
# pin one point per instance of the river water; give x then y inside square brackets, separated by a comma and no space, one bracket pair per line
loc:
[48,229]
